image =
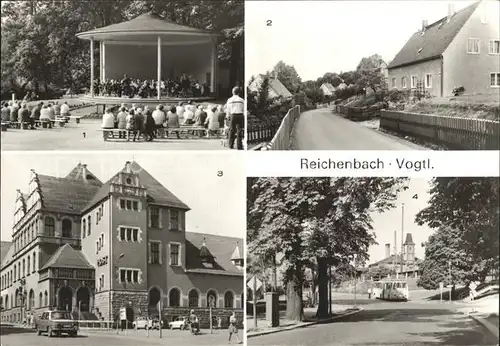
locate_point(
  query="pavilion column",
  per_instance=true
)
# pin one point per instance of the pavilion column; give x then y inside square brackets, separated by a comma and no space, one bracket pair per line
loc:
[100,59]
[103,57]
[158,84]
[92,67]
[213,77]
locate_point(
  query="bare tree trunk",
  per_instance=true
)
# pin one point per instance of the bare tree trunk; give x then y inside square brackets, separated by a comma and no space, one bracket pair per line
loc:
[322,311]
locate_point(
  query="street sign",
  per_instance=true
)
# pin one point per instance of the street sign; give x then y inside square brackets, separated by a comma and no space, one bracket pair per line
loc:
[254,283]
[123,314]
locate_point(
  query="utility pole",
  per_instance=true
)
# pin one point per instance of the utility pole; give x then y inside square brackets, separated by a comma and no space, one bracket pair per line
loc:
[402,232]
[449,275]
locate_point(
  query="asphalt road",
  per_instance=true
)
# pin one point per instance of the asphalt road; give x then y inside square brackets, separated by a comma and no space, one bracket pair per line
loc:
[29,338]
[389,324]
[320,129]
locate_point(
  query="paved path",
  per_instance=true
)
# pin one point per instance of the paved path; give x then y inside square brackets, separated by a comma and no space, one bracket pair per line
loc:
[71,137]
[320,129]
[389,324]
[30,338]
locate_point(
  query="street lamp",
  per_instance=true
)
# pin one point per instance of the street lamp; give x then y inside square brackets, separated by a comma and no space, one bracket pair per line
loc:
[110,284]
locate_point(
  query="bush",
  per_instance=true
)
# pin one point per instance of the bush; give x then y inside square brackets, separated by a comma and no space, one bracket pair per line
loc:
[457,91]
[397,96]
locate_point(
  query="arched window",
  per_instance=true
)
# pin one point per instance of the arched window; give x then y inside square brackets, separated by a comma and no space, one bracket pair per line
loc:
[228,300]
[211,297]
[16,301]
[33,231]
[50,226]
[174,297]
[46,300]
[67,228]
[90,224]
[15,272]
[193,298]
[84,228]
[40,300]
[29,264]
[7,301]
[34,262]
[24,268]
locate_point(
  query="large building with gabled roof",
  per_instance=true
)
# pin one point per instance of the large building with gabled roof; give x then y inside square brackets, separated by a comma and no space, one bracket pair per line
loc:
[93,248]
[461,49]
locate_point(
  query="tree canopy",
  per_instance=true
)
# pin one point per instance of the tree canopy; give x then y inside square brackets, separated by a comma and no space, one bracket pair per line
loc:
[464,213]
[324,221]
[39,45]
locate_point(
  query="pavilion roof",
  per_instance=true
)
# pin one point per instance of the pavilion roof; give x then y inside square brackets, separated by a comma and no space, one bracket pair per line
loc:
[147,23]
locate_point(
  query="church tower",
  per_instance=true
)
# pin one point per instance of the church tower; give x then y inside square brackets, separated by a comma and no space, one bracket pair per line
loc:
[409,246]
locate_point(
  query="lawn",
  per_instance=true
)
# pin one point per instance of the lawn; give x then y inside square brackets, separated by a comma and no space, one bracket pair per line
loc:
[466,106]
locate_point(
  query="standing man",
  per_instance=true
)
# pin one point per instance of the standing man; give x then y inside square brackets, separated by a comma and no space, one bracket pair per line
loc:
[235,108]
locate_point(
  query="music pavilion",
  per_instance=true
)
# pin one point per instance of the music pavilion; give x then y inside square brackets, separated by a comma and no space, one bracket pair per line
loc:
[92,248]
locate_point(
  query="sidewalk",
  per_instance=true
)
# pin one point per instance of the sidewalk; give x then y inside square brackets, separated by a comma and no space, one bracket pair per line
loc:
[485,312]
[338,311]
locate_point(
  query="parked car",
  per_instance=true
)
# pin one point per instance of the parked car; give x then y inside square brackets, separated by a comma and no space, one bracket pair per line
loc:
[56,323]
[180,323]
[142,323]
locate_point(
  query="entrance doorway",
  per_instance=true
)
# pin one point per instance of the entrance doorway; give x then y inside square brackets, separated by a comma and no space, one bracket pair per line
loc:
[154,297]
[83,299]
[65,298]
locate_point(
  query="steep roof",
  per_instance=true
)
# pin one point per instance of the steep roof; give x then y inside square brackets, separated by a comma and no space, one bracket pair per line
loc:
[156,192]
[409,239]
[236,253]
[220,247]
[436,38]
[66,195]
[147,22]
[80,172]
[67,257]
[275,86]
[4,249]
[330,87]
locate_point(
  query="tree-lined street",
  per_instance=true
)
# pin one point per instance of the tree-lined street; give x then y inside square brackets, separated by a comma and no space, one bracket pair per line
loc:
[321,129]
[389,324]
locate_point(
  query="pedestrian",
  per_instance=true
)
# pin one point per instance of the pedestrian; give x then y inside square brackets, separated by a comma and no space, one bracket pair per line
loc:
[233,329]
[235,108]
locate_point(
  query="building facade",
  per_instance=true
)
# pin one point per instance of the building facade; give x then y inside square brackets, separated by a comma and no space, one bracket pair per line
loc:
[93,248]
[459,50]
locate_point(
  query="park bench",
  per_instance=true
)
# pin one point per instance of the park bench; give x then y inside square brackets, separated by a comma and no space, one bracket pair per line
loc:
[76,117]
[124,134]
[5,126]
[117,134]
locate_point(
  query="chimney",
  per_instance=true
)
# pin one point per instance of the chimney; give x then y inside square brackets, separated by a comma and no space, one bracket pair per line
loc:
[425,23]
[84,171]
[451,12]
[387,250]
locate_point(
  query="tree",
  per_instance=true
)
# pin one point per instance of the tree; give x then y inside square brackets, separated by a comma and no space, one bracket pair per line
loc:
[287,75]
[464,212]
[372,62]
[379,272]
[332,78]
[315,220]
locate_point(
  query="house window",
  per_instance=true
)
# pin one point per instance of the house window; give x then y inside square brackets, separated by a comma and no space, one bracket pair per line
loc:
[174,219]
[84,228]
[473,46]
[175,254]
[129,276]
[495,80]
[154,249]
[494,47]
[174,297]
[129,204]
[129,234]
[428,80]
[67,226]
[414,82]
[24,268]
[28,262]
[193,298]
[393,82]
[228,300]
[403,82]
[34,262]
[89,221]
[154,217]
[50,226]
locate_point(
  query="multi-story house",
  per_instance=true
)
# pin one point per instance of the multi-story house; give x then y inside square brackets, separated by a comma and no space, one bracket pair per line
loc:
[328,89]
[459,50]
[93,248]
[276,89]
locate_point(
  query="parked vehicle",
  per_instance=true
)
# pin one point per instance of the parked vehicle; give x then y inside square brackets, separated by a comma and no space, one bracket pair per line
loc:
[392,290]
[56,323]
[180,323]
[142,323]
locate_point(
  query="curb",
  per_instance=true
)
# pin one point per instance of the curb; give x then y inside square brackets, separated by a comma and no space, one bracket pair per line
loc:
[302,325]
[486,324]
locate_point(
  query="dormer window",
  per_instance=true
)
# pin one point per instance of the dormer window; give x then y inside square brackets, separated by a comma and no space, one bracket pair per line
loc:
[128,181]
[207,259]
[236,257]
